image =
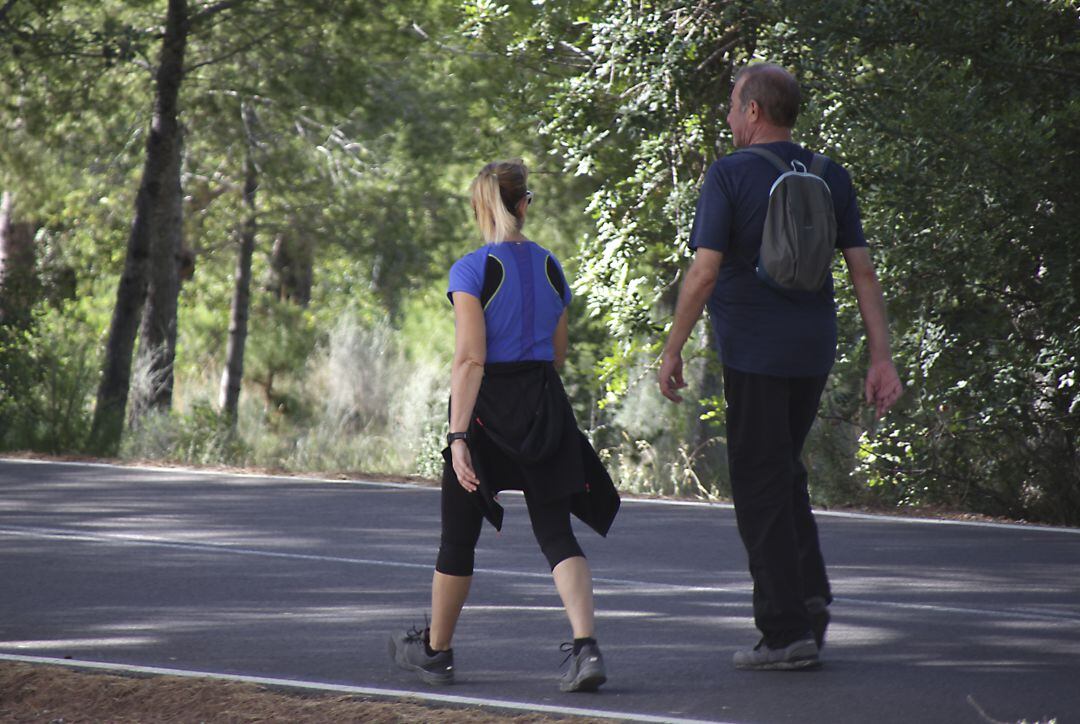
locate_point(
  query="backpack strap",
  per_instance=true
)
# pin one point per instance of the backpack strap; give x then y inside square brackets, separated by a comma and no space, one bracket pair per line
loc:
[817,166]
[768,156]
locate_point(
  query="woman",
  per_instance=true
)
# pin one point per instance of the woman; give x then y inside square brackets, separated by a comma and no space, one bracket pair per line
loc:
[511,426]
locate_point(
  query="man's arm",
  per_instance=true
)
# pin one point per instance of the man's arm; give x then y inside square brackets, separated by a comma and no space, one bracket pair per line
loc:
[883,386]
[694,292]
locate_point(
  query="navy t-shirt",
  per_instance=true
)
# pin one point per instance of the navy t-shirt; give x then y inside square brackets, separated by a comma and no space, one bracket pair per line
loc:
[530,294]
[761,329]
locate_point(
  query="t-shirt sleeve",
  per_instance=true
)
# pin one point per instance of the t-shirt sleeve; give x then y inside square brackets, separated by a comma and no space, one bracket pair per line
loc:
[712,221]
[467,275]
[849,231]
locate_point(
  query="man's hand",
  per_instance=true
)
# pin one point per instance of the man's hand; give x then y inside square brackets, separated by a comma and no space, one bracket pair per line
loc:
[883,386]
[462,460]
[696,287]
[671,378]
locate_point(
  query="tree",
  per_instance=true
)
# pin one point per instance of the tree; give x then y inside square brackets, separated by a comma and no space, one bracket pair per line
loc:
[225,34]
[18,276]
[152,238]
[238,320]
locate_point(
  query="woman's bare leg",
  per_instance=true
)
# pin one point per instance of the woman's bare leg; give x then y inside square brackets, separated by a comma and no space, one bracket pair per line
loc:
[448,594]
[573,579]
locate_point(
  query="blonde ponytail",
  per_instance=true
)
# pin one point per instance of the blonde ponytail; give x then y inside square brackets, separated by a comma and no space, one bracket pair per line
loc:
[496,191]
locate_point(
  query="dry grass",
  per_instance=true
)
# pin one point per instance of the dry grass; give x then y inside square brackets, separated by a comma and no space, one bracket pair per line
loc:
[57,695]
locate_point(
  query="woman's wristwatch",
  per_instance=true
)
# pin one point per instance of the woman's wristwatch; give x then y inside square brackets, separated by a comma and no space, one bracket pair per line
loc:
[456,436]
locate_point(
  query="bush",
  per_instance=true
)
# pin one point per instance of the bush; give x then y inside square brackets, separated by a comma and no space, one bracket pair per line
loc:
[200,436]
[654,447]
[357,405]
[48,381]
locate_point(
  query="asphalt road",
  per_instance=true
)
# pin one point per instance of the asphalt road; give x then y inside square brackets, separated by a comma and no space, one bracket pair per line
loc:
[304,580]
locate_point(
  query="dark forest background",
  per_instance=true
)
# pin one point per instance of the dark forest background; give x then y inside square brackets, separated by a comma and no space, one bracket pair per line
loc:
[225,227]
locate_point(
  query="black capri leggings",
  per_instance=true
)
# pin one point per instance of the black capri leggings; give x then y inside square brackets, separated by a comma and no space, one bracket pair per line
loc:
[462,520]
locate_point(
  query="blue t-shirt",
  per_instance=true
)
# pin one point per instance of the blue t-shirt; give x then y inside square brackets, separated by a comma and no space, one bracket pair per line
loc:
[527,293]
[761,329]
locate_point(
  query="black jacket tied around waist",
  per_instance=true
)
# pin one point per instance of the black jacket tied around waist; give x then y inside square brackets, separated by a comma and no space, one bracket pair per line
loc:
[523,436]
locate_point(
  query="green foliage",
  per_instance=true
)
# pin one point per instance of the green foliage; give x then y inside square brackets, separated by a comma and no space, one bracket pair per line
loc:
[280,340]
[973,222]
[959,122]
[18,372]
[653,447]
[47,374]
[643,118]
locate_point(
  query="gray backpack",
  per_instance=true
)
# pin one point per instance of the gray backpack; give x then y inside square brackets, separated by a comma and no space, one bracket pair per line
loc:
[799,238]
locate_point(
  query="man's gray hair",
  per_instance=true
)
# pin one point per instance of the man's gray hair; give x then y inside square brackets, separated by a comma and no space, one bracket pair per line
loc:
[775,90]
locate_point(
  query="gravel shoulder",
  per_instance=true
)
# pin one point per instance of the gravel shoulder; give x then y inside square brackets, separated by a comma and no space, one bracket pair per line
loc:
[57,695]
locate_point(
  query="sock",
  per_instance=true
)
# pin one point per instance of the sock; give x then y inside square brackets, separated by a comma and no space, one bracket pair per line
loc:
[579,643]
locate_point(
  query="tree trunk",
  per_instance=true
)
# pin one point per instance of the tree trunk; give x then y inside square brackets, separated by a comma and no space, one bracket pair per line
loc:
[241,303]
[157,333]
[19,285]
[152,209]
[291,264]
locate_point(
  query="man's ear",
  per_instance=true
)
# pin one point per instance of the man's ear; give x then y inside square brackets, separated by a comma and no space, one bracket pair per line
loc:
[753,111]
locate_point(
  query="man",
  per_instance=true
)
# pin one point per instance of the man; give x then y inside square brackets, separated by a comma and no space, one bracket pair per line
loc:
[777,348]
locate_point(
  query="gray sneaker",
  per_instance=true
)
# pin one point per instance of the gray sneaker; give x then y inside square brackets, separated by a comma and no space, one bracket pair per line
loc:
[801,654]
[408,652]
[586,672]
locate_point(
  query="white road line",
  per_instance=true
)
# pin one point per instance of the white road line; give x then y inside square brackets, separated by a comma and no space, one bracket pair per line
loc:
[59,534]
[1030,527]
[1027,615]
[884,518]
[62,534]
[299,478]
[356,690]
[74,535]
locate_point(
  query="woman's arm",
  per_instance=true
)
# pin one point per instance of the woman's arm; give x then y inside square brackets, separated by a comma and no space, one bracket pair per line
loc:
[561,338]
[470,353]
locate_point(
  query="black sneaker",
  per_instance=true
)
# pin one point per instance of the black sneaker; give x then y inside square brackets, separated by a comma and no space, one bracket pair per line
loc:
[586,672]
[801,654]
[819,619]
[409,652]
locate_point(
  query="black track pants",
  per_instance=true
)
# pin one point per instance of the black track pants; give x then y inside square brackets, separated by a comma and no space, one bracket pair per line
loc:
[768,419]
